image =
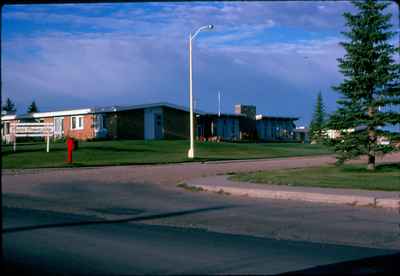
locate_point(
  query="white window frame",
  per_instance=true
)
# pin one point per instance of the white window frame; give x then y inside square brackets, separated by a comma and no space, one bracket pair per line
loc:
[77,126]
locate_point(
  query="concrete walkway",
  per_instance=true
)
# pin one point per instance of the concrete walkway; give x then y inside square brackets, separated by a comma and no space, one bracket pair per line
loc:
[311,194]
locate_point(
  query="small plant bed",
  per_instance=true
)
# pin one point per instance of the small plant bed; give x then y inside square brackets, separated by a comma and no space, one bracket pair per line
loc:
[384,178]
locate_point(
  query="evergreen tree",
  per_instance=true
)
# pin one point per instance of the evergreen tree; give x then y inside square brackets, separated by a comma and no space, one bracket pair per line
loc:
[9,106]
[371,82]
[317,124]
[33,108]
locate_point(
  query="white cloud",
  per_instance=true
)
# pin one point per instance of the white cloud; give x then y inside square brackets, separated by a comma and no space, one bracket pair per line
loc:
[105,69]
[144,57]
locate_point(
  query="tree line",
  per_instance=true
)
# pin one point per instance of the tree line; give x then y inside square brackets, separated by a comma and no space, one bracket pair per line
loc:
[10,107]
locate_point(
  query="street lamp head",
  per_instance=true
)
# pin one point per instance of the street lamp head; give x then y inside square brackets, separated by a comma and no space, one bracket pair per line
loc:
[211,27]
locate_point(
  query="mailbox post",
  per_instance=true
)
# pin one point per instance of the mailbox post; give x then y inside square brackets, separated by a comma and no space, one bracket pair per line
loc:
[71,146]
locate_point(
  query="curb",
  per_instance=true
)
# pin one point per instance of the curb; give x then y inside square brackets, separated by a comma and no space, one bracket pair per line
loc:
[354,200]
[388,203]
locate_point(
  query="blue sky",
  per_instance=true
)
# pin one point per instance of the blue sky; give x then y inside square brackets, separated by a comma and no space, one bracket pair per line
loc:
[275,55]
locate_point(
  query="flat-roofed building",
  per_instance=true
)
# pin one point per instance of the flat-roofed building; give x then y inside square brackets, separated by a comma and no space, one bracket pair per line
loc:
[274,128]
[157,121]
[147,121]
[211,126]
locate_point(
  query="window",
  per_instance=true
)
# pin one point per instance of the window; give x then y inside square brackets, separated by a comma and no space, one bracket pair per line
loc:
[77,122]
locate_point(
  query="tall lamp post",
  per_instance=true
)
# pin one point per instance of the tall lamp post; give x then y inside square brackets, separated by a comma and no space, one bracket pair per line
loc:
[191,37]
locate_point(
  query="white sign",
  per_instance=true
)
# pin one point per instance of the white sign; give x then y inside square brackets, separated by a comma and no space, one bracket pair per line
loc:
[32,130]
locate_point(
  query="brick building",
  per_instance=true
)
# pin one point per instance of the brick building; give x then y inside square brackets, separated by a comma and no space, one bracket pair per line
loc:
[158,121]
[149,121]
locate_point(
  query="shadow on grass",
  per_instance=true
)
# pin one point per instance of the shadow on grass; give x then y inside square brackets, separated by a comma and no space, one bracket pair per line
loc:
[96,222]
[24,144]
[114,149]
[390,167]
[95,148]
[9,152]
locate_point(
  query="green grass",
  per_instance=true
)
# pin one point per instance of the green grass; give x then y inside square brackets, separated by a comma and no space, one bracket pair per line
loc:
[385,178]
[123,152]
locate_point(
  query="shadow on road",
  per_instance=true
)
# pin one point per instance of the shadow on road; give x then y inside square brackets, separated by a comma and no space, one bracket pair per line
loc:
[380,265]
[139,218]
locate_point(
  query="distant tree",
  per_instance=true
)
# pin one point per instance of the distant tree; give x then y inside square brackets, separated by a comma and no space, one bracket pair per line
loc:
[371,83]
[9,106]
[317,125]
[33,108]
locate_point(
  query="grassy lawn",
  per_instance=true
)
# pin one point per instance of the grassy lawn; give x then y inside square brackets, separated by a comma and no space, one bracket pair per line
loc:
[385,178]
[120,152]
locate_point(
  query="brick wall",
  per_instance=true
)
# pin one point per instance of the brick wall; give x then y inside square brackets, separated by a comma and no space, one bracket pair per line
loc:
[82,134]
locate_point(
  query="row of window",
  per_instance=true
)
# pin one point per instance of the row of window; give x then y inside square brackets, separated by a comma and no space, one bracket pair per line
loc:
[77,122]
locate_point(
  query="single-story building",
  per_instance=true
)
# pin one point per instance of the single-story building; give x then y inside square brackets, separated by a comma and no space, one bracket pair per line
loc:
[302,135]
[147,121]
[6,121]
[157,121]
[270,128]
[212,126]
[236,127]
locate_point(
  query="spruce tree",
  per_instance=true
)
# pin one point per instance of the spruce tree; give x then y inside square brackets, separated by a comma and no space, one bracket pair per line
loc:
[33,108]
[370,90]
[317,124]
[9,106]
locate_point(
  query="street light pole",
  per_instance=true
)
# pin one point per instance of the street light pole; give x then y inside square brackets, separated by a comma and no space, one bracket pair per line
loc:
[191,150]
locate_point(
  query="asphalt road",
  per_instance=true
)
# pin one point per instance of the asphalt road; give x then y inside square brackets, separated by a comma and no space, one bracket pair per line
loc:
[83,245]
[105,220]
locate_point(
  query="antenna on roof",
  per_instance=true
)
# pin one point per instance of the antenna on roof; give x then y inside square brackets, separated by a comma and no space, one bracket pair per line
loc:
[219,103]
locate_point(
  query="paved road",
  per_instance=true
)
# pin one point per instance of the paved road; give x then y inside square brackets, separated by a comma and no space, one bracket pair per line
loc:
[342,224]
[168,229]
[74,246]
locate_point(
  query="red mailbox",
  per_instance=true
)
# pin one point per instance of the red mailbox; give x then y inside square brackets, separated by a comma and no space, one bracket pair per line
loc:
[71,147]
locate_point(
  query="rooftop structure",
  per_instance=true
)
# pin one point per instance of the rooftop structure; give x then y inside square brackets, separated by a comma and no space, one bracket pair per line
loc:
[247,110]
